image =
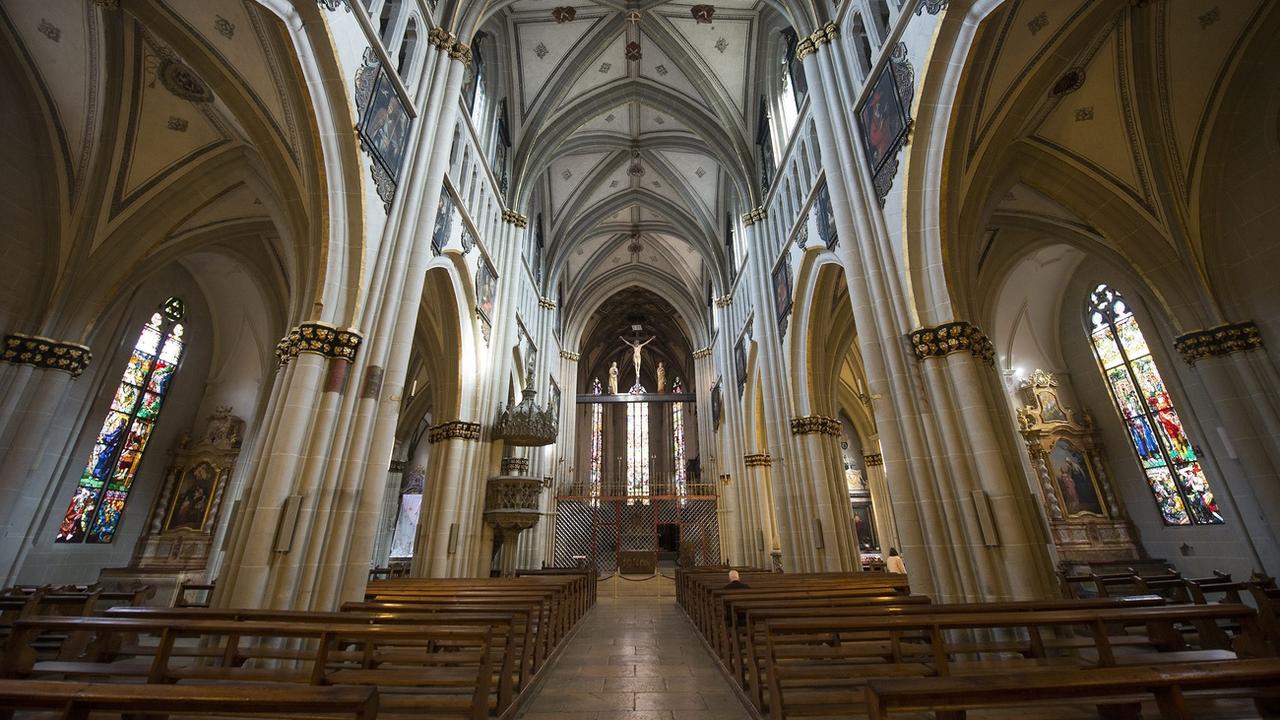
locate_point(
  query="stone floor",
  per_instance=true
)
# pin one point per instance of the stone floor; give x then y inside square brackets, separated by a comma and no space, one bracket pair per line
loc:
[635,658]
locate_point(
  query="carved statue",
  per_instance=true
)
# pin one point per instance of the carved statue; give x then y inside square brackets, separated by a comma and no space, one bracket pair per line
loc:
[613,379]
[635,354]
[662,378]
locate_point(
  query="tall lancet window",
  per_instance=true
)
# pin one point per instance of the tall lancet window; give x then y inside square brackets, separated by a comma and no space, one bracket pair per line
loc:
[1169,461]
[677,445]
[637,451]
[98,503]
[597,446]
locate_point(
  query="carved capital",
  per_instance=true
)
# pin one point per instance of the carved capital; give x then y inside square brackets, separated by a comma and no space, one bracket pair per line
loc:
[441,38]
[515,218]
[46,354]
[319,339]
[702,353]
[815,424]
[874,460]
[758,460]
[823,35]
[952,337]
[459,429]
[805,47]
[1221,340]
[570,355]
[724,300]
[754,215]
[546,303]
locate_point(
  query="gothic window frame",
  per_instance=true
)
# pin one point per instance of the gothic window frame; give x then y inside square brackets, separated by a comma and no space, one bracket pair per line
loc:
[1169,460]
[98,521]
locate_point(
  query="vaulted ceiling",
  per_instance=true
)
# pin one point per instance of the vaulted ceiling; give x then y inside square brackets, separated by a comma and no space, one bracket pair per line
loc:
[636,157]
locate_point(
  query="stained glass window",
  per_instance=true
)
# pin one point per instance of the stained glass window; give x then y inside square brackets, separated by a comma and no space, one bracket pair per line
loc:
[98,503]
[677,444]
[637,451]
[1174,473]
[597,449]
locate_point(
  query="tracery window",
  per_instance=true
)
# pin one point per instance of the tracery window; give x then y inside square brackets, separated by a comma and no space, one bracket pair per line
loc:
[677,446]
[792,86]
[597,446]
[1174,473]
[475,90]
[98,503]
[637,451]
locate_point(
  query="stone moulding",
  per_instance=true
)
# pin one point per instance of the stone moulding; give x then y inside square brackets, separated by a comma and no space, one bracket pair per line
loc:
[811,424]
[1218,341]
[459,429]
[44,353]
[758,460]
[953,337]
[319,339]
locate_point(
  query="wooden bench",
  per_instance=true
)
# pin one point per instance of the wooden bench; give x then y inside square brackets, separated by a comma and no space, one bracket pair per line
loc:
[950,697]
[443,671]
[76,700]
[806,676]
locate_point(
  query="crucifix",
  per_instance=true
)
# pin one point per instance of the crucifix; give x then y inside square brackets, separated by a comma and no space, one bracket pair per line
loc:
[635,357]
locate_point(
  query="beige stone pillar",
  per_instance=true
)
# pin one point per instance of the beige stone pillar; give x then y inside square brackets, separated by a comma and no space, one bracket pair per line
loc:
[817,440]
[886,526]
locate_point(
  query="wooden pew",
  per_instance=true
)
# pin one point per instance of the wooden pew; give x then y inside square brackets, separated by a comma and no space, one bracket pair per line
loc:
[805,677]
[438,670]
[76,700]
[950,697]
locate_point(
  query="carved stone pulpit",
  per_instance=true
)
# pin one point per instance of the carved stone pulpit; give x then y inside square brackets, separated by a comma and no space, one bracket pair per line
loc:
[1087,519]
[178,540]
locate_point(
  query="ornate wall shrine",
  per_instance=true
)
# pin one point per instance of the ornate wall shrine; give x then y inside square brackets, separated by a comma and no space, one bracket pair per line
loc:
[1088,522]
[179,538]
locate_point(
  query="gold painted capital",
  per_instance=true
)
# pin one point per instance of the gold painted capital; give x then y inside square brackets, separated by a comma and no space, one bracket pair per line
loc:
[459,429]
[319,338]
[546,303]
[754,215]
[448,42]
[570,355]
[515,218]
[805,47]
[874,460]
[702,353]
[758,460]
[724,300]
[953,337]
[46,354]
[1218,341]
[815,424]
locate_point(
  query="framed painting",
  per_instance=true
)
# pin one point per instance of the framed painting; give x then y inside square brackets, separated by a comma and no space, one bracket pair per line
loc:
[826,217]
[782,286]
[1074,479]
[486,287]
[193,498]
[717,403]
[883,119]
[385,127]
[740,363]
[444,222]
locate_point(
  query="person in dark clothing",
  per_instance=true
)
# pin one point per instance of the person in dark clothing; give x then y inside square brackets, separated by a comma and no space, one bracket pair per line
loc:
[735,583]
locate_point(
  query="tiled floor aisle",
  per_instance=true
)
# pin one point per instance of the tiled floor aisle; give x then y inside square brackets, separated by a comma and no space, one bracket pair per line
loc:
[635,658]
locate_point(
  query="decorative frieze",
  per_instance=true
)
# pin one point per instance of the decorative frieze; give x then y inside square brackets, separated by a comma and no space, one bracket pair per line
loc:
[953,337]
[754,215]
[758,460]
[46,354]
[873,460]
[448,42]
[702,353]
[1214,342]
[515,218]
[546,303]
[454,429]
[810,424]
[515,466]
[319,339]
[570,355]
[724,300]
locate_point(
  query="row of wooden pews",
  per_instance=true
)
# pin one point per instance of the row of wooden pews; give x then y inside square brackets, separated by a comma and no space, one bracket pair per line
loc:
[831,645]
[427,648]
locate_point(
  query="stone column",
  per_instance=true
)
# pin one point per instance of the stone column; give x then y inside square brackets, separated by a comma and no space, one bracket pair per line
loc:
[440,528]
[41,375]
[941,451]
[886,527]
[1241,381]
[817,440]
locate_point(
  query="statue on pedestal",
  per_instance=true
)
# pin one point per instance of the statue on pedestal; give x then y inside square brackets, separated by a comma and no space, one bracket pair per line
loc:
[662,378]
[613,379]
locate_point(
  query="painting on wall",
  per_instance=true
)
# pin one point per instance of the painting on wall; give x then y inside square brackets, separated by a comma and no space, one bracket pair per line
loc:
[782,287]
[486,288]
[826,217]
[717,403]
[385,127]
[193,498]
[882,119]
[740,363]
[1074,479]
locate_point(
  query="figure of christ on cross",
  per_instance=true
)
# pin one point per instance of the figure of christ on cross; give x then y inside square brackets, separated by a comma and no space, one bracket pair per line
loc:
[635,357]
